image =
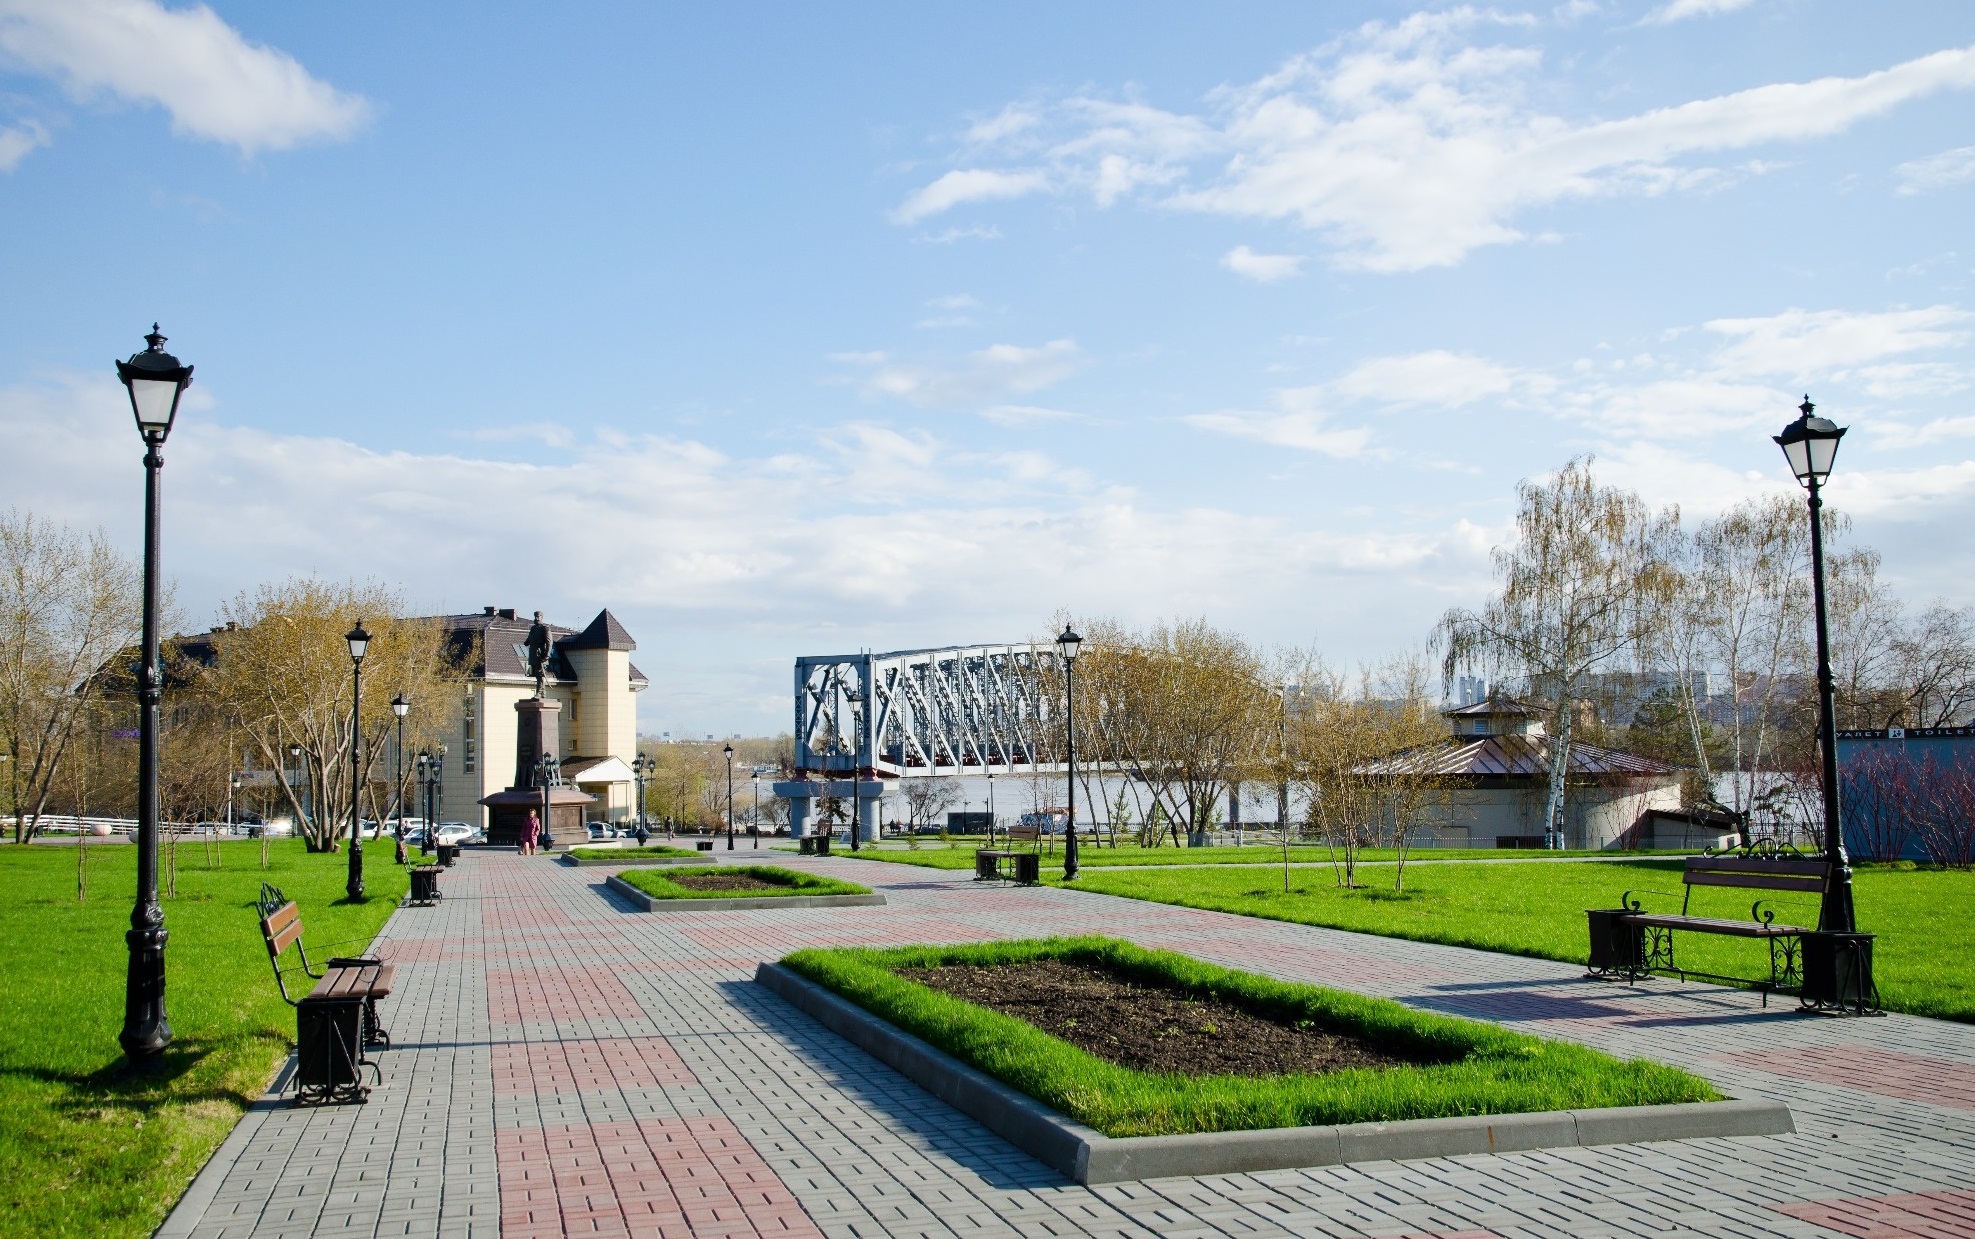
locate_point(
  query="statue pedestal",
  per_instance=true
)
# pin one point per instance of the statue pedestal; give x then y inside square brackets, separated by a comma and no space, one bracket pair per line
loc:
[537,731]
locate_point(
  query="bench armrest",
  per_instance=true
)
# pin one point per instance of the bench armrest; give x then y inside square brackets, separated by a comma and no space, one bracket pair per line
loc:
[1630,904]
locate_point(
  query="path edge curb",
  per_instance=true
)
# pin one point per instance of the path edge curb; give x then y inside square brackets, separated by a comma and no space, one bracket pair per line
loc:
[1090,1157]
[648,904]
[190,1208]
[635,862]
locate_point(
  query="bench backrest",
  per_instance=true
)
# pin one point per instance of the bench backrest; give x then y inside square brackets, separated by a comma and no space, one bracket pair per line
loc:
[281,929]
[1780,873]
[1024,834]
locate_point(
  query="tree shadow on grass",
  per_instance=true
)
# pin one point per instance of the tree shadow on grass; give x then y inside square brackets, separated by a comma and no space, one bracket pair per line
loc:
[121,1088]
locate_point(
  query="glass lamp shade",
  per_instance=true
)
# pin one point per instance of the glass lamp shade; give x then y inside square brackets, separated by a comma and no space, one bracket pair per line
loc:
[400,706]
[155,380]
[1810,444]
[1069,643]
[359,642]
[729,751]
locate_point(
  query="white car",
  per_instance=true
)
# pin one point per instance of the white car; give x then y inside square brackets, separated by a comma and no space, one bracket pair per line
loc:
[452,834]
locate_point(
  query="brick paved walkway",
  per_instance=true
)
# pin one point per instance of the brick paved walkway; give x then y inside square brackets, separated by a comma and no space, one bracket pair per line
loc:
[566,1066]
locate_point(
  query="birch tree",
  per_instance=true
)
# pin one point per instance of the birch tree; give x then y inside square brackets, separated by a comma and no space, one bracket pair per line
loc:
[1580,586]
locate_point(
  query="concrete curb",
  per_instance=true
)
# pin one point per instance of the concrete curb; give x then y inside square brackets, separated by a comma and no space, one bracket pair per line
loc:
[190,1209]
[740,904]
[1089,1156]
[630,861]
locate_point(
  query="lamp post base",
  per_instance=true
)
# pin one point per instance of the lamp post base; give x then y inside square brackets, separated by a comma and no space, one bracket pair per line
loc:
[1838,974]
[146,1032]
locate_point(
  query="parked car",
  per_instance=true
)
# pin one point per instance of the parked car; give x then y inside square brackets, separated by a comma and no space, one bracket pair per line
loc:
[454,833]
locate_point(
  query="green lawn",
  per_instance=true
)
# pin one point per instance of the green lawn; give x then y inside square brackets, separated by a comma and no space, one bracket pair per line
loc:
[630,854]
[933,854]
[659,883]
[1472,1067]
[83,1149]
[1925,919]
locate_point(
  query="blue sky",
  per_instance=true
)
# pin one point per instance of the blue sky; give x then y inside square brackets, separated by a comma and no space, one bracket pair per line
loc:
[782,331]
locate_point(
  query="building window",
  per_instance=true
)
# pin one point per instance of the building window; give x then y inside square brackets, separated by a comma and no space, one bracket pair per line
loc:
[469,742]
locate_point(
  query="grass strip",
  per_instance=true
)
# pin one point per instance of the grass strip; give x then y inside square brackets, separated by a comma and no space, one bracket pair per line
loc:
[1921,916]
[84,1149]
[659,884]
[1476,1069]
[652,851]
[959,855]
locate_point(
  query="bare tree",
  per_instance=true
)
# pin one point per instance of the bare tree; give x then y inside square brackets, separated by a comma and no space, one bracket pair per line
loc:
[280,676]
[927,798]
[1579,589]
[68,603]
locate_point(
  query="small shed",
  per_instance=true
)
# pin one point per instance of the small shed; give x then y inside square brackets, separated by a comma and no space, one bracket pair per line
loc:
[1498,760]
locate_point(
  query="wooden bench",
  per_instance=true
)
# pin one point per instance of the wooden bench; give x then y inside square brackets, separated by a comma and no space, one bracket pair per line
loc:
[1629,941]
[1024,867]
[337,1019]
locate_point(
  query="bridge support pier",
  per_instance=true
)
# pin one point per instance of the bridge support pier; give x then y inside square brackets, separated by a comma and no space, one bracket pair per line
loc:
[802,793]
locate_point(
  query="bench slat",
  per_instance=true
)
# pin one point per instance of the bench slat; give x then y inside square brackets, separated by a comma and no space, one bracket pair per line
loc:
[1791,866]
[282,917]
[1716,925]
[1755,881]
[281,940]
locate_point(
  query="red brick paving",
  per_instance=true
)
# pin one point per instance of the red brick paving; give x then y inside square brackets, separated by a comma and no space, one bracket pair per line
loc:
[658,1177]
[1915,1215]
[571,1066]
[1909,1077]
[558,992]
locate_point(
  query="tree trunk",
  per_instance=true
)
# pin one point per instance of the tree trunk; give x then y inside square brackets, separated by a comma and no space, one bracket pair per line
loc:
[1553,809]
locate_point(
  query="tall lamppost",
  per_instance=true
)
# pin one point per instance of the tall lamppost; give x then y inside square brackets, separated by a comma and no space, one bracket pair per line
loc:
[729,751]
[640,772]
[421,775]
[754,823]
[401,706]
[359,644]
[155,381]
[1810,444]
[1068,642]
[548,772]
[295,764]
[991,822]
[1282,756]
[856,698]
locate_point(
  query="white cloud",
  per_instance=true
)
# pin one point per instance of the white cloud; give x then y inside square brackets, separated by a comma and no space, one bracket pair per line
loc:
[1262,268]
[1807,343]
[1681,9]
[1022,414]
[215,84]
[1408,145]
[1937,171]
[554,434]
[17,140]
[950,235]
[1435,378]
[1299,421]
[983,377]
[967,185]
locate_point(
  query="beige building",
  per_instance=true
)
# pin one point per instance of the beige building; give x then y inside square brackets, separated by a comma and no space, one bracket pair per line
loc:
[1499,758]
[590,675]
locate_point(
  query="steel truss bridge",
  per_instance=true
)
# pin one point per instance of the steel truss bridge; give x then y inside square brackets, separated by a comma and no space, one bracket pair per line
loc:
[973,709]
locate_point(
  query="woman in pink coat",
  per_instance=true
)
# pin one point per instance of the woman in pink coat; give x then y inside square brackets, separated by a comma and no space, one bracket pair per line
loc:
[529,833]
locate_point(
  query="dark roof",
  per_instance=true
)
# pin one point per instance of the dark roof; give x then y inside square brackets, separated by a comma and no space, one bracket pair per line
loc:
[604,633]
[1496,707]
[1523,757]
[500,634]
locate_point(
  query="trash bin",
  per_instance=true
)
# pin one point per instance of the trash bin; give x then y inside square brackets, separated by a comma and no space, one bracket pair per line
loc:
[1838,973]
[329,1050]
[1618,946]
[448,853]
[425,885]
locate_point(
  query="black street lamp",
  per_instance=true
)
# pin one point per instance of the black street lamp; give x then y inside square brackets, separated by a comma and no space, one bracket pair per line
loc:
[1068,642]
[155,381]
[754,823]
[548,773]
[401,706]
[729,751]
[359,645]
[641,773]
[1810,444]
[991,822]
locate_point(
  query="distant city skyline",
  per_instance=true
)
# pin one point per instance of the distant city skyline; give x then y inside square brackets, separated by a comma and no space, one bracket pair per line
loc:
[794,331]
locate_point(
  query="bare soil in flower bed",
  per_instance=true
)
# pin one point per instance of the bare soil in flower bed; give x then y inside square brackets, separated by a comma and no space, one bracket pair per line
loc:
[1152,1028]
[726,882]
